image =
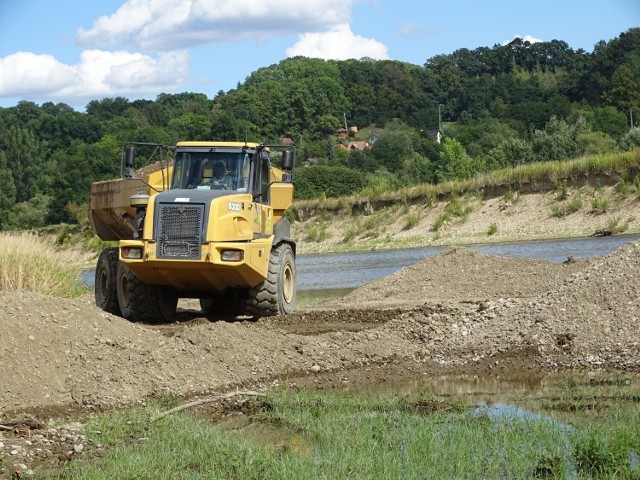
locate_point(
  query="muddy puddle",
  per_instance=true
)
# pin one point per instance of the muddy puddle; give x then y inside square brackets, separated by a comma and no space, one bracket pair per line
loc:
[518,396]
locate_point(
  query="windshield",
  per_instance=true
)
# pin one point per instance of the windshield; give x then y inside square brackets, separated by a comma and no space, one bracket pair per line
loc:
[211,171]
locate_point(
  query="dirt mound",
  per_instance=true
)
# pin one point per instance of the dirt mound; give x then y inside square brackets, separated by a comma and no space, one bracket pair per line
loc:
[594,316]
[590,320]
[460,309]
[459,274]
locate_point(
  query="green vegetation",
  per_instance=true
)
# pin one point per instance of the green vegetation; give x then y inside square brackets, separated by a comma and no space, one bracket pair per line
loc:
[579,429]
[623,189]
[316,232]
[562,190]
[412,220]
[599,205]
[33,264]
[503,108]
[512,196]
[493,229]
[440,221]
[614,226]
[563,209]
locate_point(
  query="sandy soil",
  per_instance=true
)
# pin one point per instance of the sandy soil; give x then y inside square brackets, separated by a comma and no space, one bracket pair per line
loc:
[457,312]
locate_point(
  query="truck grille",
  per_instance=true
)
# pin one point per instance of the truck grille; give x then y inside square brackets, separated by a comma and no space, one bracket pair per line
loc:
[180,231]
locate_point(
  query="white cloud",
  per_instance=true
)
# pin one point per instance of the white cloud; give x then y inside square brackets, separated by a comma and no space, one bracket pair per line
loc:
[526,38]
[338,44]
[99,74]
[171,24]
[28,72]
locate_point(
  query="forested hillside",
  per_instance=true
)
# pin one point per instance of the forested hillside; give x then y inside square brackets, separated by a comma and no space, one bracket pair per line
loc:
[494,106]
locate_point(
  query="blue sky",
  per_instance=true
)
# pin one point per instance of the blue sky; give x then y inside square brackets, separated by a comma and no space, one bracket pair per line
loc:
[75,51]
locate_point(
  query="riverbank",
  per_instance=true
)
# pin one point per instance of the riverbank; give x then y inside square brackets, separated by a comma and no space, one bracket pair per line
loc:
[471,218]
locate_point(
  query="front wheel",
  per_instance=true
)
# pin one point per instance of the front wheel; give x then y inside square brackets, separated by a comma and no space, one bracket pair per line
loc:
[276,295]
[140,302]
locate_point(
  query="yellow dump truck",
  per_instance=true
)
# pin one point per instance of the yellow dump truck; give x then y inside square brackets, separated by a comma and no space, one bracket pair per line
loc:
[208,224]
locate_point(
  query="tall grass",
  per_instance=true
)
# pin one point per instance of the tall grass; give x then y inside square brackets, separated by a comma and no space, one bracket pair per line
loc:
[552,173]
[33,264]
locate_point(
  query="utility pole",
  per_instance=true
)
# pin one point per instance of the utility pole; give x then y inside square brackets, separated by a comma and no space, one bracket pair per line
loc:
[440,105]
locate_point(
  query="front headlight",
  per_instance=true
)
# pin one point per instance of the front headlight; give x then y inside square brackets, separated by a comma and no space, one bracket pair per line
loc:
[131,253]
[232,255]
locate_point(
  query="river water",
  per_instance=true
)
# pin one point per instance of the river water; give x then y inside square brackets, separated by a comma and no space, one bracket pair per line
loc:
[343,271]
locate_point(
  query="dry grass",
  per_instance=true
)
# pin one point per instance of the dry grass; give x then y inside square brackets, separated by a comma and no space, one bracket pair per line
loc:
[33,264]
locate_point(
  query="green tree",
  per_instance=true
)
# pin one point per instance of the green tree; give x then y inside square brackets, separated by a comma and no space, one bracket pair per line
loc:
[480,136]
[559,140]
[190,126]
[391,149]
[631,140]
[625,86]
[7,189]
[324,126]
[323,180]
[107,108]
[607,119]
[225,127]
[418,169]
[29,214]
[511,152]
[25,156]
[592,143]
[455,164]
[444,77]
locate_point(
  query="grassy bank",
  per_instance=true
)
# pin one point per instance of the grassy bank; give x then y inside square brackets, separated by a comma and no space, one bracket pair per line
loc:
[32,263]
[581,429]
[530,177]
[542,201]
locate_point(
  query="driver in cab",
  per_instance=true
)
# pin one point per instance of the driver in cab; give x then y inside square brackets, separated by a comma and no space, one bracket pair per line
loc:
[220,179]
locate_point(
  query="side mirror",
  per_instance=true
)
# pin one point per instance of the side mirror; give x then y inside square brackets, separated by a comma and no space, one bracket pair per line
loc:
[288,160]
[129,155]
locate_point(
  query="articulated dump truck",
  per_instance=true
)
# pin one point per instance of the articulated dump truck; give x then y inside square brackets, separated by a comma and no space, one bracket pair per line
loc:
[208,223]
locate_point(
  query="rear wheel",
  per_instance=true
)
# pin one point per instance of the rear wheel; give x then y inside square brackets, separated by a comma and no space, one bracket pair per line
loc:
[105,281]
[276,295]
[140,302]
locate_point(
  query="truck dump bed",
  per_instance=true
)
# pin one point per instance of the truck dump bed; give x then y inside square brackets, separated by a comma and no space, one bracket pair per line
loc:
[110,213]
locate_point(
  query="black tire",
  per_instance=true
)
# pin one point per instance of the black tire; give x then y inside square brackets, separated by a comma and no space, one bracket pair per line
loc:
[105,285]
[140,302]
[212,305]
[276,295]
[228,303]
